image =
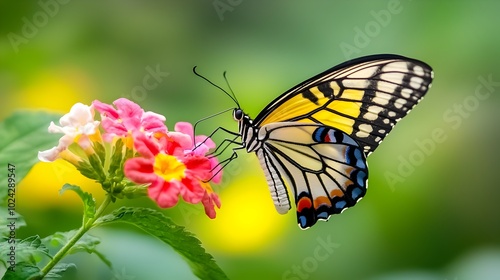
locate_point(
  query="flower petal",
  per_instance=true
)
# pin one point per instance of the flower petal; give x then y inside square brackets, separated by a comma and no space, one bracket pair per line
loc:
[181,138]
[78,115]
[166,194]
[186,128]
[153,122]
[140,170]
[105,109]
[192,190]
[49,155]
[208,201]
[205,140]
[145,146]
[128,109]
[198,167]
[216,169]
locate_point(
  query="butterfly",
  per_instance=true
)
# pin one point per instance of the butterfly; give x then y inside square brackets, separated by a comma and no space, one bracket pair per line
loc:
[315,137]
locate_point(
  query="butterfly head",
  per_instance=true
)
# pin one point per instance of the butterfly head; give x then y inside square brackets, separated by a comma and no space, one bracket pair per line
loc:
[238,114]
[245,128]
[242,118]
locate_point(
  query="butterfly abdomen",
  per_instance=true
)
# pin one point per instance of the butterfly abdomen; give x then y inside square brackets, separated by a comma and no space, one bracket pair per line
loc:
[279,194]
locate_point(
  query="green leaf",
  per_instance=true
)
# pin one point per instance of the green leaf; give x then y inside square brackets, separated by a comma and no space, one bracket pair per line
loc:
[24,133]
[23,271]
[182,241]
[88,201]
[57,271]
[87,243]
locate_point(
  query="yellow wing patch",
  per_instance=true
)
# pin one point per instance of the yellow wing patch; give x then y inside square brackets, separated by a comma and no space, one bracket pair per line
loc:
[295,106]
[339,111]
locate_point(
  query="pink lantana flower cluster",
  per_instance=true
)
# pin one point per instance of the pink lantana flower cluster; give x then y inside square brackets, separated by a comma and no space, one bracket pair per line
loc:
[172,164]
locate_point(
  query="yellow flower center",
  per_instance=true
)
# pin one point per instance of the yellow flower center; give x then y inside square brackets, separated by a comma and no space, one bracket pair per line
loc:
[168,167]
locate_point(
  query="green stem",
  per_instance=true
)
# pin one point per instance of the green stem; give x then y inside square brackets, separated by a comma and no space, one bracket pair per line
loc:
[81,231]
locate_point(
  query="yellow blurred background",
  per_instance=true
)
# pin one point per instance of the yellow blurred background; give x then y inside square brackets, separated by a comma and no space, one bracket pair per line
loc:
[432,208]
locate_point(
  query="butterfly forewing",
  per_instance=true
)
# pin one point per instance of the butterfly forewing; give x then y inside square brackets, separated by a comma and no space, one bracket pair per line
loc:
[364,98]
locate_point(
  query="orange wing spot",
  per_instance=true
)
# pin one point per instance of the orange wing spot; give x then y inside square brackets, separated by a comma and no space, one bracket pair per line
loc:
[303,203]
[336,193]
[349,170]
[321,200]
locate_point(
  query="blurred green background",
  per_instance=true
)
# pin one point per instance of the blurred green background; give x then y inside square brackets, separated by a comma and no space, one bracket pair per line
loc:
[432,210]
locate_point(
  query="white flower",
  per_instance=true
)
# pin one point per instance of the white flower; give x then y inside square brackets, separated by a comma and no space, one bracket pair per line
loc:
[77,126]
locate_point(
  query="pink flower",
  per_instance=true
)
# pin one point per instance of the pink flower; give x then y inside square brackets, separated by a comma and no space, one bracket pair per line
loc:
[171,172]
[200,146]
[127,118]
[170,164]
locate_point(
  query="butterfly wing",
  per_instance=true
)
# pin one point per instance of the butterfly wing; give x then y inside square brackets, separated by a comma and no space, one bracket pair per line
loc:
[323,166]
[364,97]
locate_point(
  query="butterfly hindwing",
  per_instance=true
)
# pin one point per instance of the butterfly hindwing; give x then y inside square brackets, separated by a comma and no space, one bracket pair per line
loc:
[364,98]
[324,168]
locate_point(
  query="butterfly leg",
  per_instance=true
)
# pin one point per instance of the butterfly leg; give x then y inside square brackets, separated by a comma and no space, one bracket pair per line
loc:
[221,148]
[225,144]
[226,161]
[213,133]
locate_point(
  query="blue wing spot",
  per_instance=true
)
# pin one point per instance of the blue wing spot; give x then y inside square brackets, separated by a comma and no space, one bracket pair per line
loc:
[340,205]
[319,134]
[322,215]
[356,193]
[349,141]
[360,163]
[347,157]
[302,221]
[361,178]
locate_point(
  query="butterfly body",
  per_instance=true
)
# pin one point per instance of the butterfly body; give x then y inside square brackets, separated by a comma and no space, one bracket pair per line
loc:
[314,138]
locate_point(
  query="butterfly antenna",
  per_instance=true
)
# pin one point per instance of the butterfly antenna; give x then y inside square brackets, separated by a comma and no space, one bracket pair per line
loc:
[230,88]
[213,84]
[204,119]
